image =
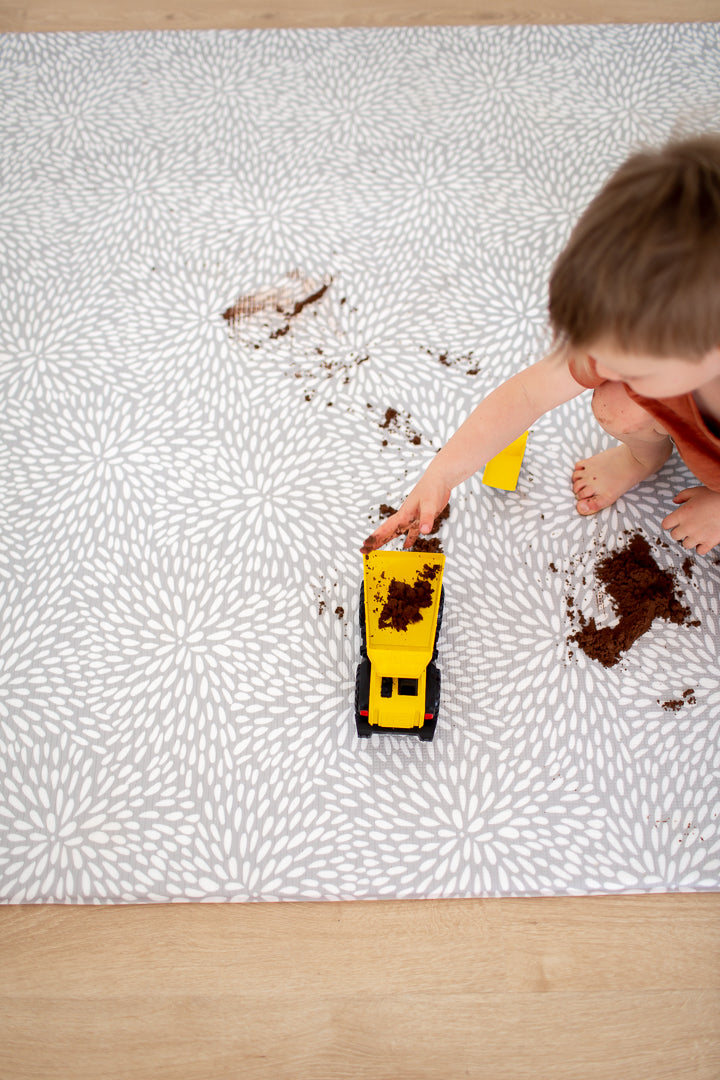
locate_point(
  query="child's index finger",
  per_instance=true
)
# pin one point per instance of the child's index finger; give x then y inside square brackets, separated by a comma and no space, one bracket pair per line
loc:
[369,544]
[413,531]
[394,526]
[373,541]
[378,539]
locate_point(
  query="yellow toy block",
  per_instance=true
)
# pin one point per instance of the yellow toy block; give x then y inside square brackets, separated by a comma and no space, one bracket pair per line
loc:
[503,470]
[398,685]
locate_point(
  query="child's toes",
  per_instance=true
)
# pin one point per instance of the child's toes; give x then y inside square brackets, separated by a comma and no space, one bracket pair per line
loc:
[592,504]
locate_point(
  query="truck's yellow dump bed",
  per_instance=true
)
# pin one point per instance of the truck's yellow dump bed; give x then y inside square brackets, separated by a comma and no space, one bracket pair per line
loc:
[400,652]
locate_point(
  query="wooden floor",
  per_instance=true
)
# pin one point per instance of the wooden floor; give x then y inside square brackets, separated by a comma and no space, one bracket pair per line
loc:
[623,988]
[35,15]
[618,988]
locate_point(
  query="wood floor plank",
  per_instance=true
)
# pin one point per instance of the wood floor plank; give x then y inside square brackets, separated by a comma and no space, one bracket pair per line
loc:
[47,15]
[590,988]
[517,946]
[662,1036]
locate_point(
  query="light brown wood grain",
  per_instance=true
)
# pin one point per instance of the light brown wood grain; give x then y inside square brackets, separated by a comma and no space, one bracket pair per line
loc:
[622,988]
[44,15]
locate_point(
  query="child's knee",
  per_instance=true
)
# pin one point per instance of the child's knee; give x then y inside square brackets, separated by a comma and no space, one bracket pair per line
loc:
[616,411]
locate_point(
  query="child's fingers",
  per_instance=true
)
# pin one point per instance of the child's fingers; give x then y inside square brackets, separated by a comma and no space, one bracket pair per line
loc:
[422,524]
[683,496]
[413,532]
[427,519]
[394,526]
[409,519]
[374,541]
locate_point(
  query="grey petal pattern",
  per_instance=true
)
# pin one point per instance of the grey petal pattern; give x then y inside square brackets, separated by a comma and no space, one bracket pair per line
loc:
[182,495]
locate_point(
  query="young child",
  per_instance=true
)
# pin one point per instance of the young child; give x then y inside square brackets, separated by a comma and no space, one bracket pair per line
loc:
[635,311]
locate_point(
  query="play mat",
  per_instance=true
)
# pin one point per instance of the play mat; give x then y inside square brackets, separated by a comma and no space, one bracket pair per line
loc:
[250,283]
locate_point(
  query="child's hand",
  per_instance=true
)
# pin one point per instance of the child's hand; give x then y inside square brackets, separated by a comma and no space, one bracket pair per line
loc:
[696,522]
[416,515]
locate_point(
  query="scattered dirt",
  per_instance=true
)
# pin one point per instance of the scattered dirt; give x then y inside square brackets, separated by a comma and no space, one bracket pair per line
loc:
[466,361]
[245,306]
[319,371]
[395,421]
[676,704]
[323,597]
[639,592]
[268,314]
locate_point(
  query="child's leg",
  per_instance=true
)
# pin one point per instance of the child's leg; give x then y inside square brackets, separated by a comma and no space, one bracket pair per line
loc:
[644,447]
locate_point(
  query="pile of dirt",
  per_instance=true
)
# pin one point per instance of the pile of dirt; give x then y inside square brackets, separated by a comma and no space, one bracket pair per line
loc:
[405,602]
[432,546]
[640,592]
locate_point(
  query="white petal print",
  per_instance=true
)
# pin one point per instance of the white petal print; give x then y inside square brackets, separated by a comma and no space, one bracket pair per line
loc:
[183,491]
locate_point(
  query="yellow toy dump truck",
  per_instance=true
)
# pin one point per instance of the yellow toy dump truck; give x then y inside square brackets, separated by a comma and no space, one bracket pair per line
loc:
[397,688]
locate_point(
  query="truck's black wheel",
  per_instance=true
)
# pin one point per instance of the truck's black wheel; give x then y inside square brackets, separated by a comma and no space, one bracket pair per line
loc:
[441,608]
[362,699]
[363,631]
[432,703]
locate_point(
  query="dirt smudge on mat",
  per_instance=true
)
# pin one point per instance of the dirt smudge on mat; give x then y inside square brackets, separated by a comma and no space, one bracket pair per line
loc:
[282,303]
[262,318]
[299,306]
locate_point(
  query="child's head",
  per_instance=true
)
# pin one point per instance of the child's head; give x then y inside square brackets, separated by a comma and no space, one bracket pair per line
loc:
[642,267]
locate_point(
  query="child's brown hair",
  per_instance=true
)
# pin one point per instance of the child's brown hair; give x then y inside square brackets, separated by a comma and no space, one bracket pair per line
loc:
[642,266]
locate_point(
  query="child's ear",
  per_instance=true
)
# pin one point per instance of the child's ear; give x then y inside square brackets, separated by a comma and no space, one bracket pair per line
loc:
[713,360]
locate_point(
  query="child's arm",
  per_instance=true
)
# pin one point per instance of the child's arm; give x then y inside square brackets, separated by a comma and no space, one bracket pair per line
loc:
[496,422]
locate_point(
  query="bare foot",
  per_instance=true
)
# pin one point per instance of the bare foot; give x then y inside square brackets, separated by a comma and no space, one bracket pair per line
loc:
[696,522]
[600,480]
